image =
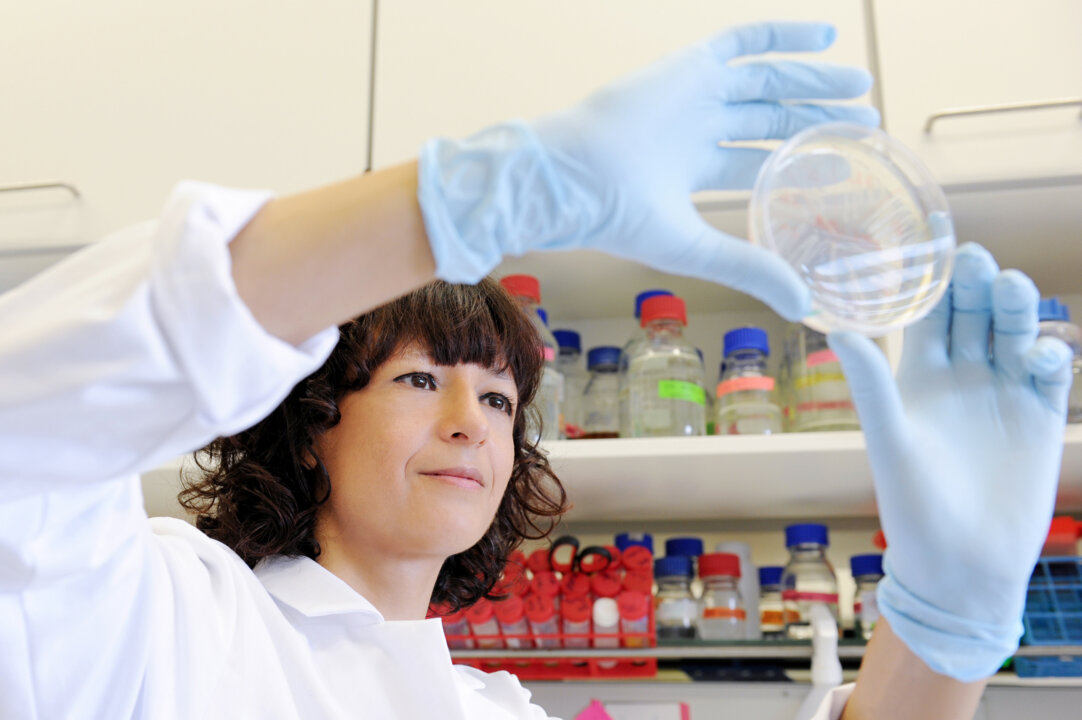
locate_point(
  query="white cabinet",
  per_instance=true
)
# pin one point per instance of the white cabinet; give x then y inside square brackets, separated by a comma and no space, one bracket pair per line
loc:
[937,56]
[122,99]
[453,68]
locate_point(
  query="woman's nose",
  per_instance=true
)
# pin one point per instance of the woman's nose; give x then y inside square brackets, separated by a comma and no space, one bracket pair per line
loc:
[462,419]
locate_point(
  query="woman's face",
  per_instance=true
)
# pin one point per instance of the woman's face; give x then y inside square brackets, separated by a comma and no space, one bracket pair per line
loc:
[420,460]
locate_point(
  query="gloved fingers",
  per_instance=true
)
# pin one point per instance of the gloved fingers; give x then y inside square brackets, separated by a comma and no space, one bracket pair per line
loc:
[924,345]
[758,38]
[774,121]
[871,384]
[1049,361]
[735,263]
[971,295]
[731,168]
[786,80]
[1014,322]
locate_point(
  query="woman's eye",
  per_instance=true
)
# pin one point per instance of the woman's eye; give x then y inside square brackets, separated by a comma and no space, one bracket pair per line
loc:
[500,402]
[421,381]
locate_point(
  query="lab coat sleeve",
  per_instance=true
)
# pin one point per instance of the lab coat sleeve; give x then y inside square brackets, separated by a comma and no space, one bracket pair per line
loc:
[126,354]
[834,703]
[138,349]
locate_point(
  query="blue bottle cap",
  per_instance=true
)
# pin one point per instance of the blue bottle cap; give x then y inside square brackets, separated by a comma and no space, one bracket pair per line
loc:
[625,540]
[806,533]
[603,355]
[1051,309]
[746,338]
[866,564]
[688,546]
[672,565]
[568,339]
[543,315]
[644,296]
[770,575]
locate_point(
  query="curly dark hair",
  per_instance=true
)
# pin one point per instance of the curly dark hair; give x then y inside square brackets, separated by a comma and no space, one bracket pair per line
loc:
[260,492]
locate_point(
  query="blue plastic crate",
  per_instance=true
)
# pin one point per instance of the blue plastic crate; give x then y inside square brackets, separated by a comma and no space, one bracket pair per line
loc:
[1053,613]
[1060,666]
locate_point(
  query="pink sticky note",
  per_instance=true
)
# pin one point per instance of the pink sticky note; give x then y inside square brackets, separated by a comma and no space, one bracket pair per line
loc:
[594,711]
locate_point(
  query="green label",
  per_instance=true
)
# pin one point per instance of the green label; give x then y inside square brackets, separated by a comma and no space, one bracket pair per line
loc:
[681,390]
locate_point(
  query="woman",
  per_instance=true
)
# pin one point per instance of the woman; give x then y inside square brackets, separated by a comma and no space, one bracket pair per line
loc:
[164,337]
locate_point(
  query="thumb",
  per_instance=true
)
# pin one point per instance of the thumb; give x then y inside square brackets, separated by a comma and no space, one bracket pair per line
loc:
[871,385]
[738,264]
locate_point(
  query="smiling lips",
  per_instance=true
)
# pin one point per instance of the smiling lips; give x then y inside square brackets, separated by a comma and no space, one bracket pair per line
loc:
[461,476]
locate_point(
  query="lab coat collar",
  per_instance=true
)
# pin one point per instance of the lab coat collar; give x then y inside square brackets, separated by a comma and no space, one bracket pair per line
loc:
[312,590]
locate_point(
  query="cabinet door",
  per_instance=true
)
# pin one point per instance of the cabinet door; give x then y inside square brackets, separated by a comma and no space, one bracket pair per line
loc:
[453,68]
[937,56]
[123,98]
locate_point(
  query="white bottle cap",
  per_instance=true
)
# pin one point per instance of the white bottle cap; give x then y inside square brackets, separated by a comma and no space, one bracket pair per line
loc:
[606,613]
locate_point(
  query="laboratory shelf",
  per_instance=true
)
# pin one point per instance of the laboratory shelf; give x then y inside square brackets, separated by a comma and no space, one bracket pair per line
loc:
[792,475]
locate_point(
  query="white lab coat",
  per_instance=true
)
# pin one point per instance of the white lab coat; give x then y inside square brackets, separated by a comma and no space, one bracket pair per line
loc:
[130,353]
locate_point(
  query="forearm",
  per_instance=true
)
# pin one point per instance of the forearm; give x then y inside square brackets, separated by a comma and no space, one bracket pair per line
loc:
[895,683]
[309,261]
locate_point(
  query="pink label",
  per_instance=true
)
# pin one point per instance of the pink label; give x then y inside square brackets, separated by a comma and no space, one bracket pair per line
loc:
[820,357]
[550,354]
[817,406]
[745,383]
[797,596]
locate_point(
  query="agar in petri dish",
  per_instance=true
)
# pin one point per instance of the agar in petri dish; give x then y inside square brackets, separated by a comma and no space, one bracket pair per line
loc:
[863,223]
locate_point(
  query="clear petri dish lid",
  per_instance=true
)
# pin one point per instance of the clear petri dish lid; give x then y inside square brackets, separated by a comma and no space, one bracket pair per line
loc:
[862,221]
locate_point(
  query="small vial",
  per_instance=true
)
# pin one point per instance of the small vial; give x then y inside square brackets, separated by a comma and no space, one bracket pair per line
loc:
[601,397]
[677,611]
[808,578]
[511,616]
[548,585]
[665,381]
[745,394]
[541,616]
[606,584]
[771,610]
[634,610]
[749,585]
[574,585]
[576,613]
[569,363]
[527,292]
[457,630]
[482,618]
[626,352]
[723,615]
[538,561]
[513,581]
[1055,321]
[637,559]
[606,616]
[639,582]
[867,572]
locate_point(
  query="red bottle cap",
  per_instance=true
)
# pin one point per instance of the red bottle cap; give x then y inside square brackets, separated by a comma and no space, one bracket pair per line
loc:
[453,618]
[638,559]
[539,608]
[880,540]
[480,612]
[633,605]
[539,561]
[716,564]
[522,286]
[513,582]
[617,559]
[509,611]
[606,584]
[545,583]
[575,585]
[639,582]
[664,307]
[577,609]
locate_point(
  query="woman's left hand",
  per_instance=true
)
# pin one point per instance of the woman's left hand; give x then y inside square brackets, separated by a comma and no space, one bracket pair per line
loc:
[965,451]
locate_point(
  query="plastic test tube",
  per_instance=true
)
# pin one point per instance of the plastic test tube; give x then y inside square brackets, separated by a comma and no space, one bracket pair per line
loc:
[513,581]
[606,627]
[574,585]
[639,582]
[511,614]
[576,611]
[634,610]
[637,559]
[548,585]
[457,630]
[606,584]
[483,622]
[541,615]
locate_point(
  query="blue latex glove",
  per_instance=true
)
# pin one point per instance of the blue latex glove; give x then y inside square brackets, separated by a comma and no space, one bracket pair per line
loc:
[615,173]
[965,450]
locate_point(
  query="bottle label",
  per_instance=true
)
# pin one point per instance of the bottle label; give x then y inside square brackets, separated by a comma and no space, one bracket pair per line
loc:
[724,613]
[779,617]
[821,357]
[799,596]
[681,390]
[808,381]
[822,406]
[745,383]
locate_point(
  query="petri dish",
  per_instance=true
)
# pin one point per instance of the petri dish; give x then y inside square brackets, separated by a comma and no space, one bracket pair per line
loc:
[862,221]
